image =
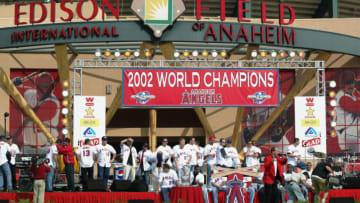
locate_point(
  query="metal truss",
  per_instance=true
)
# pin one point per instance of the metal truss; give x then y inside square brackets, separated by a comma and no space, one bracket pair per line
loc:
[81,64]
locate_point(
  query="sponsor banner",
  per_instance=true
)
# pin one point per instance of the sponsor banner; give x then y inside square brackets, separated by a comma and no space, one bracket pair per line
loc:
[89,119]
[200,87]
[310,124]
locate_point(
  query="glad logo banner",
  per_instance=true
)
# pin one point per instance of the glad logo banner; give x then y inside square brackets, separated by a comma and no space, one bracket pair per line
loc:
[310,124]
[200,87]
[89,119]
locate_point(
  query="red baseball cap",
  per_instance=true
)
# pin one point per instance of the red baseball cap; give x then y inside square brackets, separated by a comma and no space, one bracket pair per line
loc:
[211,138]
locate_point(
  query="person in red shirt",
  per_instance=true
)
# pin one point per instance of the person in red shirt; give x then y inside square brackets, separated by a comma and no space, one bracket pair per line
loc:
[273,173]
[39,169]
[68,156]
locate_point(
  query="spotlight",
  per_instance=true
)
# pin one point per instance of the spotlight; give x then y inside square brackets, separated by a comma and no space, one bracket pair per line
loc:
[195,53]
[186,53]
[66,83]
[332,113]
[176,54]
[214,53]
[254,53]
[205,53]
[147,53]
[65,111]
[282,54]
[127,53]
[273,54]
[333,102]
[302,54]
[117,53]
[64,121]
[65,102]
[223,53]
[332,123]
[97,53]
[332,84]
[292,54]
[263,53]
[107,52]
[332,133]
[137,53]
[332,94]
[65,93]
[65,131]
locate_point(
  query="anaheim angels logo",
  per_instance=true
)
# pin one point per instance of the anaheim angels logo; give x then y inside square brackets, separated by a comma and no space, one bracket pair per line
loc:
[235,184]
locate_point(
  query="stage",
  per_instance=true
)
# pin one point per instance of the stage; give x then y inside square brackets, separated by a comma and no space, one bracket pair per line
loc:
[104,197]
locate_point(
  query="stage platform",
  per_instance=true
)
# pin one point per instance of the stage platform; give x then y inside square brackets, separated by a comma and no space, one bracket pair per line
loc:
[119,197]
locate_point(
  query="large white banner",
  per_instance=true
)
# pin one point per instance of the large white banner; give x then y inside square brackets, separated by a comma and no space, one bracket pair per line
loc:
[310,124]
[89,119]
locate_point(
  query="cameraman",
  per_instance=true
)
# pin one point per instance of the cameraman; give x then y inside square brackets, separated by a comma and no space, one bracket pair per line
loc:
[39,168]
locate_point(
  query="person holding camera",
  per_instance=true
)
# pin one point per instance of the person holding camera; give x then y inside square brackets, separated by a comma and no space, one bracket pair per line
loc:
[39,168]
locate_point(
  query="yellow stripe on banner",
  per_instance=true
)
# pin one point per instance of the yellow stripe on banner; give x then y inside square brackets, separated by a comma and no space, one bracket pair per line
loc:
[89,122]
[310,122]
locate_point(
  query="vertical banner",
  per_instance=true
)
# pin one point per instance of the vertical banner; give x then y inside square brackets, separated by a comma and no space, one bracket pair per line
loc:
[310,124]
[89,119]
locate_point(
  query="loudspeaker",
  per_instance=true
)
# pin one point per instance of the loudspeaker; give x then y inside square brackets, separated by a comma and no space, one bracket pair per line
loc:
[26,184]
[141,201]
[120,185]
[352,183]
[96,185]
[342,200]
[4,201]
[138,186]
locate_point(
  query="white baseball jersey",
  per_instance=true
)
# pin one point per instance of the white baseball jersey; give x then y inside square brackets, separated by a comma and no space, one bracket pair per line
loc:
[168,180]
[167,152]
[147,160]
[50,155]
[14,149]
[193,153]
[218,181]
[104,154]
[86,154]
[182,155]
[232,157]
[199,178]
[4,148]
[250,160]
[210,151]
[125,152]
[294,151]
[200,153]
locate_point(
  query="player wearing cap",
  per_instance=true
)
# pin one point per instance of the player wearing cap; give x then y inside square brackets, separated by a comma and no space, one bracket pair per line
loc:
[167,180]
[210,155]
[319,178]
[104,152]
[128,155]
[14,150]
[68,156]
[231,159]
[182,159]
[166,152]
[145,161]
[87,156]
[52,155]
[4,165]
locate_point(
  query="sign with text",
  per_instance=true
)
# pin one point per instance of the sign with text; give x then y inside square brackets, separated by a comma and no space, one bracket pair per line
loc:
[89,119]
[310,124]
[200,87]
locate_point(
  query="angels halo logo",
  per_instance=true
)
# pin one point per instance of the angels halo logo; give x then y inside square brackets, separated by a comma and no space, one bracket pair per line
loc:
[158,14]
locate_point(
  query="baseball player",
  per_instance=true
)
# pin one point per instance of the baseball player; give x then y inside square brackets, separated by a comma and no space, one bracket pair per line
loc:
[86,155]
[182,160]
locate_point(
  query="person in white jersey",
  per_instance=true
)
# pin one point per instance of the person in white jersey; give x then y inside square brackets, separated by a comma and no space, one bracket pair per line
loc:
[200,155]
[218,184]
[5,172]
[166,151]
[52,155]
[294,156]
[86,155]
[104,161]
[14,150]
[145,162]
[220,152]
[251,154]
[192,147]
[182,160]
[210,156]
[167,180]
[197,179]
[231,159]
[128,155]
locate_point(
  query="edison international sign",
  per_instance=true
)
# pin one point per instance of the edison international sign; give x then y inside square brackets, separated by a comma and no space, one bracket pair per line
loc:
[200,87]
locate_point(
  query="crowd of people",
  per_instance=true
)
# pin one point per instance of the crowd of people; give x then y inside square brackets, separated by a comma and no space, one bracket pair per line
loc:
[182,164]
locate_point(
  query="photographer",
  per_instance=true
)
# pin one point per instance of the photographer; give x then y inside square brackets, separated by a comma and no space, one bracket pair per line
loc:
[39,168]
